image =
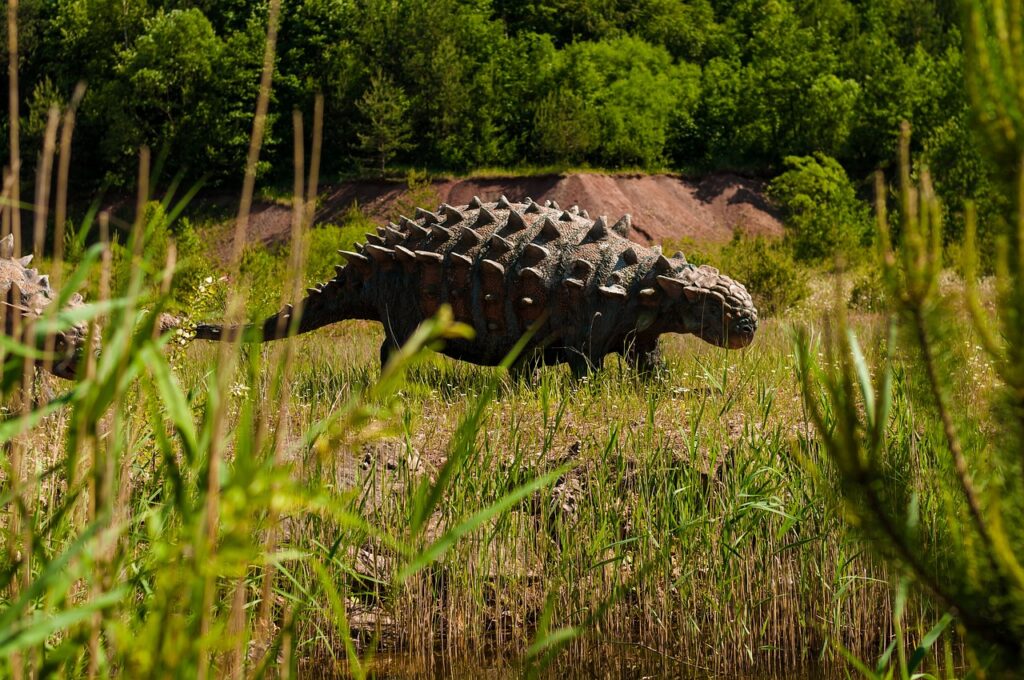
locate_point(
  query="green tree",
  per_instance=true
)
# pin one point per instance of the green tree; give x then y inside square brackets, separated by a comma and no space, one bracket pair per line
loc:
[385,131]
[823,215]
[565,129]
[635,90]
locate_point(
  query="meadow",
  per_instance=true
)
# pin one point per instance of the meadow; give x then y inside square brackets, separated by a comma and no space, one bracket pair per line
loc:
[841,497]
[449,514]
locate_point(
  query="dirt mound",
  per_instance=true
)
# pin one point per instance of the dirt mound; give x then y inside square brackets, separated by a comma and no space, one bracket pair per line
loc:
[663,207]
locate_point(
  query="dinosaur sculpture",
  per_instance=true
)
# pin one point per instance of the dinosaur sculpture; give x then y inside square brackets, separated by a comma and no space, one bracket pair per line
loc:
[506,267]
[25,294]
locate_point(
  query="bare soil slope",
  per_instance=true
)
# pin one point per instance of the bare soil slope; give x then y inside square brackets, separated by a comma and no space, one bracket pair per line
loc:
[662,206]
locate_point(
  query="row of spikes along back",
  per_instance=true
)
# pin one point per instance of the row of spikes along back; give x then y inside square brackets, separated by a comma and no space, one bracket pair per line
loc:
[526,243]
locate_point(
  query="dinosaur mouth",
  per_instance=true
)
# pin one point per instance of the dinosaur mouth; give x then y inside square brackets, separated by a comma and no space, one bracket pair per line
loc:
[739,340]
[741,334]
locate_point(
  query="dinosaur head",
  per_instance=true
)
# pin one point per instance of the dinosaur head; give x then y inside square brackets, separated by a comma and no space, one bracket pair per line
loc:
[713,307]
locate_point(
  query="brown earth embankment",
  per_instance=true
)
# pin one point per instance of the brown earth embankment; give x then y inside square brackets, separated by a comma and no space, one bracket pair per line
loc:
[663,207]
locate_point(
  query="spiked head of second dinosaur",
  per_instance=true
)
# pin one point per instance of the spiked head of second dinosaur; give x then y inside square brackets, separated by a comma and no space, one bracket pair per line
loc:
[24,295]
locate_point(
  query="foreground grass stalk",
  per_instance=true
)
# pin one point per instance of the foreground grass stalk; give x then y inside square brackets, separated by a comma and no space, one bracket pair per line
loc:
[258,129]
[14,124]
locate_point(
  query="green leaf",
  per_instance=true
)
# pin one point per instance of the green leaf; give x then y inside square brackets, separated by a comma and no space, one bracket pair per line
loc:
[927,641]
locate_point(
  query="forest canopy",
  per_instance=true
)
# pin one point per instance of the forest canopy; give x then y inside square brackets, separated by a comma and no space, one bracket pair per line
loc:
[453,85]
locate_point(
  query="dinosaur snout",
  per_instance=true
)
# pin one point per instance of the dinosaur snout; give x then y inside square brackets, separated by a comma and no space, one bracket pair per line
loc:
[742,334]
[740,331]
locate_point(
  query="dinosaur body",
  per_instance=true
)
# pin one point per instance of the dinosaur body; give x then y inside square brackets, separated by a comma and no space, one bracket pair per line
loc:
[505,268]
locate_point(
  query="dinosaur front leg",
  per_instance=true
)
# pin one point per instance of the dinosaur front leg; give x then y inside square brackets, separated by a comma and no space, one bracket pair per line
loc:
[644,355]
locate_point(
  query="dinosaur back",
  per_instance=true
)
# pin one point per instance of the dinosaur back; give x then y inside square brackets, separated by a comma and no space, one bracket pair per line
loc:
[504,267]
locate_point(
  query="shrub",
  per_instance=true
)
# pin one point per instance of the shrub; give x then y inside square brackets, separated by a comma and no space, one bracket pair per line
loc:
[767,268]
[822,213]
[868,293]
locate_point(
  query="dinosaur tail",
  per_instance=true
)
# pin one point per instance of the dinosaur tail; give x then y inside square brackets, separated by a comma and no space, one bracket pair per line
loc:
[322,306]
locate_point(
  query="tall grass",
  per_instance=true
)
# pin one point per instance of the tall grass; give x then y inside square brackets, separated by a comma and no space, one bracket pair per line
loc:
[281,510]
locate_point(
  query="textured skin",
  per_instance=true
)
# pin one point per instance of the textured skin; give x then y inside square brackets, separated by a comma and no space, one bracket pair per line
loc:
[25,295]
[505,267]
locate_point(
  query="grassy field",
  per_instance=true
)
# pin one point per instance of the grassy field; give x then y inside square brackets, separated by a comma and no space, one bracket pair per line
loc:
[294,510]
[687,524]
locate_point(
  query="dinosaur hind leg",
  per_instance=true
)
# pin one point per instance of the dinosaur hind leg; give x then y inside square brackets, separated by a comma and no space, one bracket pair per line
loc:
[389,346]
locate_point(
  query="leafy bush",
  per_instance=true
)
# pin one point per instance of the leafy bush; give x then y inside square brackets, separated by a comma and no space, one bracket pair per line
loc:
[868,293]
[823,215]
[769,272]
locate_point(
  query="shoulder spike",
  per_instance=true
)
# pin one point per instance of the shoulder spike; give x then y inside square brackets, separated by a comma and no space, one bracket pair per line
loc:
[452,214]
[526,301]
[515,221]
[623,226]
[469,237]
[630,256]
[405,254]
[531,273]
[533,207]
[484,218]
[476,202]
[44,281]
[551,204]
[419,232]
[338,269]
[405,223]
[379,253]
[536,252]
[503,203]
[584,214]
[500,245]
[679,256]
[374,239]
[662,264]
[648,295]
[549,229]
[612,292]
[427,216]
[599,230]
[566,216]
[429,256]
[25,261]
[355,258]
[315,290]
[394,236]
[575,209]
[7,246]
[441,231]
[491,266]
[380,231]
[573,283]
[675,288]
[462,260]
[582,268]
